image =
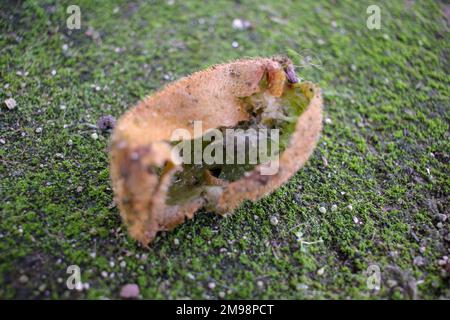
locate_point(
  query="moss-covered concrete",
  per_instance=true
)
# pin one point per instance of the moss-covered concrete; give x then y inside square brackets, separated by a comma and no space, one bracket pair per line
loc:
[380,170]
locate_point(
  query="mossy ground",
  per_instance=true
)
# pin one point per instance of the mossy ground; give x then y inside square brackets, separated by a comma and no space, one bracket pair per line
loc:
[384,151]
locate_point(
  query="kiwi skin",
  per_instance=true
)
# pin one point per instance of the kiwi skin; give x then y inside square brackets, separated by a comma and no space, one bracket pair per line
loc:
[141,161]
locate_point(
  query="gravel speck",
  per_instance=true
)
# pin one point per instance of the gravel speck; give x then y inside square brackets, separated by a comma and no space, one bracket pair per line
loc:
[419,261]
[129,291]
[10,103]
[23,279]
[211,285]
[240,24]
[274,220]
[321,271]
[106,123]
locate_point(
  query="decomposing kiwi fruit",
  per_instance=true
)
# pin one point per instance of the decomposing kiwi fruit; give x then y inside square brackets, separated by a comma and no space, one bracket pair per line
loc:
[156,189]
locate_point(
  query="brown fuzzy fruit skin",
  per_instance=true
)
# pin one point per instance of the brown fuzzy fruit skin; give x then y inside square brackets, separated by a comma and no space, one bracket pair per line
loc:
[141,161]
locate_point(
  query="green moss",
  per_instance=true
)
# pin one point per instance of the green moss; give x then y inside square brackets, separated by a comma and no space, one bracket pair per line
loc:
[386,146]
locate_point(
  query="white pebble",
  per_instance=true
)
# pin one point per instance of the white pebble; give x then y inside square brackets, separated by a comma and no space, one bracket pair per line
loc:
[211,285]
[176,242]
[350,207]
[38,130]
[53,72]
[10,103]
[274,220]
[94,136]
[334,207]
[129,291]
[235,44]
[322,210]
[321,271]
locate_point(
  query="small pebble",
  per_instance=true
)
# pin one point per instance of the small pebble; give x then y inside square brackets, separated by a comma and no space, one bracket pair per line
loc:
[123,264]
[321,271]
[2,141]
[70,142]
[301,287]
[94,136]
[176,242]
[235,44]
[53,72]
[334,208]
[105,123]
[419,261]
[10,103]
[211,285]
[274,220]
[129,291]
[79,189]
[221,294]
[260,284]
[38,130]
[350,207]
[23,279]
[240,24]
[391,283]
[328,121]
[322,210]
